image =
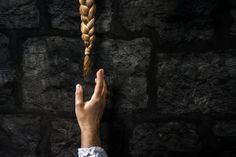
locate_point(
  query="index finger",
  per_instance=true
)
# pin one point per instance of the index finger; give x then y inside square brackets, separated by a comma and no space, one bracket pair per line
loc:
[99,84]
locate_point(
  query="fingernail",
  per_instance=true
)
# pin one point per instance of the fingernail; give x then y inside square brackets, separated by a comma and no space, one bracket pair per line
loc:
[77,86]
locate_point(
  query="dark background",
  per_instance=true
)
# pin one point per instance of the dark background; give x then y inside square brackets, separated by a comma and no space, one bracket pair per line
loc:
[170,66]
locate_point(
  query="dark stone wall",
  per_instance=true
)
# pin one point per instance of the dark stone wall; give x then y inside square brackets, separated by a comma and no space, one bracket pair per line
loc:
[170,66]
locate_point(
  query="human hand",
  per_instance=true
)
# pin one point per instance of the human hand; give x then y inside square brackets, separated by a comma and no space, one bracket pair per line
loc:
[89,113]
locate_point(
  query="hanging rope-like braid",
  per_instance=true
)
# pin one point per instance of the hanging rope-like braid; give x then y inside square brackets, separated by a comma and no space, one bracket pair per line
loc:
[87,12]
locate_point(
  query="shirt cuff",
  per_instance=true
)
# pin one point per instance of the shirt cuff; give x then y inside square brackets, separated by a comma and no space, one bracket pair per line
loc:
[94,151]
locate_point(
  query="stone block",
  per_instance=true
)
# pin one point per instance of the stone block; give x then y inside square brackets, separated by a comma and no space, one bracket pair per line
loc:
[166,139]
[132,95]
[19,135]
[18,14]
[124,58]
[52,67]
[233,26]
[125,64]
[225,128]
[65,137]
[196,82]
[7,75]
[65,15]
[229,153]
[104,17]
[177,22]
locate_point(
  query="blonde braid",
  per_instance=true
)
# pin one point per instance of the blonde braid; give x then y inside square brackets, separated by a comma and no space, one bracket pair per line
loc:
[87,12]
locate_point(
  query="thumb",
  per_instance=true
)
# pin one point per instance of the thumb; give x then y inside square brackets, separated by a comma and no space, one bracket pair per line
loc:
[79,96]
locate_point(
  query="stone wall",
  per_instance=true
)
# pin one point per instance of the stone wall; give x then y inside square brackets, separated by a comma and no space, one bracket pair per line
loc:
[170,66]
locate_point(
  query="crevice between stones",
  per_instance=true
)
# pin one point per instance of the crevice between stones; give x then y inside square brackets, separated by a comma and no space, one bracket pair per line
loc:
[44,147]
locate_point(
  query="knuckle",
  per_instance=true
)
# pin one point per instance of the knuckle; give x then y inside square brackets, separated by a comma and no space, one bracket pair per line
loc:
[77,104]
[76,92]
[95,100]
[100,84]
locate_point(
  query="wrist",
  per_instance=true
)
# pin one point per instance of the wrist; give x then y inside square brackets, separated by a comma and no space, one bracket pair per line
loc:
[89,128]
[90,137]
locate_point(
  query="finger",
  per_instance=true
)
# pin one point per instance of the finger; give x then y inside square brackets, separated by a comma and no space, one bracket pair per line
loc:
[99,84]
[104,91]
[79,97]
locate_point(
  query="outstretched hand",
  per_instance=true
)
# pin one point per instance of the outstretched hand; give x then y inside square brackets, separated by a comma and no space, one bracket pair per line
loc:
[89,113]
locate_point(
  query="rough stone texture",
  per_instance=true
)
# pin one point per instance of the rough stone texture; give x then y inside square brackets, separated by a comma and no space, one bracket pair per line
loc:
[19,136]
[233,27]
[225,133]
[7,75]
[170,68]
[126,63]
[52,67]
[104,17]
[233,14]
[228,154]
[50,63]
[124,58]
[200,82]
[136,14]
[225,128]
[177,22]
[18,14]
[65,15]
[162,139]
[134,95]
[65,138]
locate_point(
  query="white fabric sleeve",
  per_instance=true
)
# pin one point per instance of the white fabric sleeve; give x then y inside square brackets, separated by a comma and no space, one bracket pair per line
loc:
[94,151]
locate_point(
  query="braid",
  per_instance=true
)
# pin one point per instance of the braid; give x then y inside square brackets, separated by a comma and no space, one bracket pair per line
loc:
[87,11]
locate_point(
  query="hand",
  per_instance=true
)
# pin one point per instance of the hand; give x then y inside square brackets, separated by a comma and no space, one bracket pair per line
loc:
[89,113]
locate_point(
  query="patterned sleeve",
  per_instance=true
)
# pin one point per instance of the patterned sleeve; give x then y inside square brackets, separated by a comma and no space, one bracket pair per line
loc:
[95,151]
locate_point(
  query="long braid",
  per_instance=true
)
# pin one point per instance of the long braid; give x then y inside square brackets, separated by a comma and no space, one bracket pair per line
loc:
[87,12]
